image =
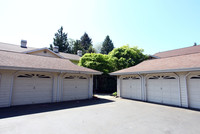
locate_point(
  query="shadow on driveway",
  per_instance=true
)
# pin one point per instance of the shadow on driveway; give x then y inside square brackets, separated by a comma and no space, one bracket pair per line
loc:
[39,108]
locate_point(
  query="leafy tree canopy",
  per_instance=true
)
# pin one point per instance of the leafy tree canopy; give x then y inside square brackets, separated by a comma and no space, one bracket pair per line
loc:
[126,56]
[118,58]
[100,62]
[107,45]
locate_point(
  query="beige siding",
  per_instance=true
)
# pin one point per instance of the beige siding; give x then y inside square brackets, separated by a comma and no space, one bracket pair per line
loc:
[5,86]
[91,86]
[183,88]
[118,86]
[57,84]
[42,53]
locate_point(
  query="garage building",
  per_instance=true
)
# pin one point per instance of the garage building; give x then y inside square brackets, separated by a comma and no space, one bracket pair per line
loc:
[172,79]
[32,79]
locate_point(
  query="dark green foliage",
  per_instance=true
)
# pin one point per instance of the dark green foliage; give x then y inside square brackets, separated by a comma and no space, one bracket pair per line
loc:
[98,62]
[126,56]
[86,41]
[107,45]
[75,46]
[60,40]
[91,50]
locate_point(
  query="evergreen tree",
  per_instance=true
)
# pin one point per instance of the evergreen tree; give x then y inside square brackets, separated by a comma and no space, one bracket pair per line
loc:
[107,45]
[91,50]
[77,46]
[60,40]
[86,41]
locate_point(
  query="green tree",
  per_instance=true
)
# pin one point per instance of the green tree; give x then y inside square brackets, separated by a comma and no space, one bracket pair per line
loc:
[61,41]
[77,46]
[107,45]
[86,41]
[100,62]
[126,56]
[91,50]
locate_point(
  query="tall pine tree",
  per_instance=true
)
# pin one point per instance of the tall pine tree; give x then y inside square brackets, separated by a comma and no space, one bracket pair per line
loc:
[61,41]
[107,45]
[86,41]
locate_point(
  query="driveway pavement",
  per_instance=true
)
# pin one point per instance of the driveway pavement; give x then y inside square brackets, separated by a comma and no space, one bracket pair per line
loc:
[107,115]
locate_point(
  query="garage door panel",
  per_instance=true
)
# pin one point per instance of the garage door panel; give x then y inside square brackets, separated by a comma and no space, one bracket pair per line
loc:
[194,91]
[131,87]
[163,89]
[32,88]
[75,87]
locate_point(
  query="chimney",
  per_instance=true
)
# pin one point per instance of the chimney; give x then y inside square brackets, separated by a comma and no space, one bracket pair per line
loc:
[23,43]
[79,53]
[56,49]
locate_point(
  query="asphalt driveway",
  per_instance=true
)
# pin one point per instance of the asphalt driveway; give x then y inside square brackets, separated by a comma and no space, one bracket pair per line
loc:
[99,116]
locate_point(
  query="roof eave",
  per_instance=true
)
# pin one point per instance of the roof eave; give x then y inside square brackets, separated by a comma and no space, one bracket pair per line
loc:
[159,71]
[48,70]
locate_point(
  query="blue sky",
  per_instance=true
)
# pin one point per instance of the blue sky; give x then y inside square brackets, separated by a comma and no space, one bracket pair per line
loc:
[154,25]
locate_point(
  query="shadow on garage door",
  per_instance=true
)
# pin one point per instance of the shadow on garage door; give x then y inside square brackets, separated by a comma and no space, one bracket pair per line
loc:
[39,108]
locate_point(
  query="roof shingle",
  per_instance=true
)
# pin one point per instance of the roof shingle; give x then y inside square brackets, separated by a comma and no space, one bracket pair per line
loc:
[20,61]
[17,48]
[178,63]
[178,52]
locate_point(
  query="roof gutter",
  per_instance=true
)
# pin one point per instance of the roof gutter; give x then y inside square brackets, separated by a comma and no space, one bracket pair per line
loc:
[158,71]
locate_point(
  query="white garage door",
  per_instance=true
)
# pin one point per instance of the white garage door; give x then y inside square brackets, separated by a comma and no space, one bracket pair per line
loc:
[32,88]
[131,87]
[75,87]
[194,91]
[163,89]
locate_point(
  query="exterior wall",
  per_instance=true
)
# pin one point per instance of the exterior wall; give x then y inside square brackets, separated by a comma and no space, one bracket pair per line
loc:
[7,80]
[118,86]
[90,86]
[42,53]
[5,87]
[182,77]
[183,89]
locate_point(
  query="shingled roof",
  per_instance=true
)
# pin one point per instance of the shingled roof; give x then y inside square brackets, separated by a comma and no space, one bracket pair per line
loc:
[178,52]
[21,61]
[188,62]
[18,49]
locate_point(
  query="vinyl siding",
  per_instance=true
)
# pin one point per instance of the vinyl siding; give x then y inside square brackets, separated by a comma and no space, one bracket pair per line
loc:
[183,88]
[6,82]
[91,86]
[47,54]
[5,86]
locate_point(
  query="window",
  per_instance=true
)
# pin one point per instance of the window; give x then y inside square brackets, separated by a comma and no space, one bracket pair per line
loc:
[69,77]
[154,77]
[81,77]
[195,77]
[135,78]
[42,76]
[126,78]
[25,75]
[168,77]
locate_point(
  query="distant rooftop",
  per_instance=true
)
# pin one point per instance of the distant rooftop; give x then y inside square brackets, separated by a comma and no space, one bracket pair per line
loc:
[178,52]
[19,49]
